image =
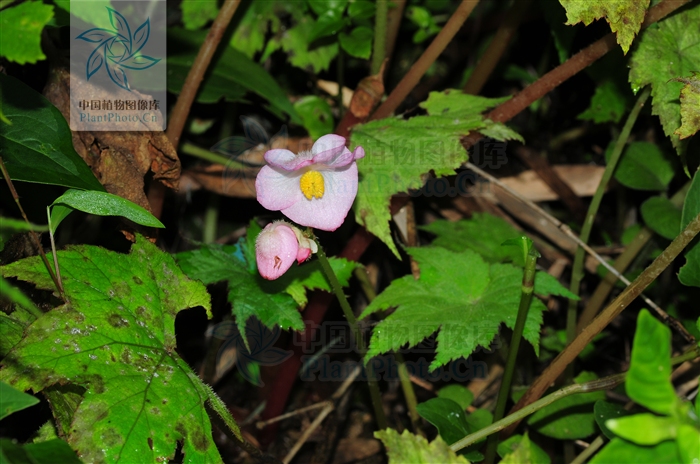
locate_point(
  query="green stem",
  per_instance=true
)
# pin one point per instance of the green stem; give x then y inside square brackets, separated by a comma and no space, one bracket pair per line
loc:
[525,299]
[588,452]
[605,383]
[379,51]
[374,392]
[211,219]
[577,268]
[202,153]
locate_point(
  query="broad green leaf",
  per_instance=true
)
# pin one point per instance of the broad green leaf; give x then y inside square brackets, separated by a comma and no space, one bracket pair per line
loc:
[624,16]
[197,13]
[406,447]
[458,294]
[361,9]
[688,440]
[648,380]
[518,449]
[457,393]
[38,146]
[259,18]
[643,429]
[12,400]
[619,451]
[570,417]
[11,332]
[605,410]
[322,6]
[296,43]
[546,284]
[662,216]
[358,42]
[101,204]
[328,24]
[448,416]
[16,296]
[20,31]
[230,74]
[401,153]
[643,166]
[690,272]
[690,106]
[667,49]
[316,114]
[607,105]
[46,452]
[116,338]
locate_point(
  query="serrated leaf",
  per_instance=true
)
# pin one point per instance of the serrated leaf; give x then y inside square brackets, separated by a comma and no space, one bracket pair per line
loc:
[38,146]
[116,338]
[458,294]
[21,27]
[624,16]
[13,400]
[648,381]
[619,451]
[667,49]
[570,417]
[690,106]
[406,447]
[689,274]
[46,452]
[197,13]
[605,410]
[519,449]
[608,104]
[643,166]
[662,216]
[101,204]
[400,153]
[316,114]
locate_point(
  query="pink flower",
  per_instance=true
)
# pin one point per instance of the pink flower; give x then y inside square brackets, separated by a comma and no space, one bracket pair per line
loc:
[277,246]
[314,189]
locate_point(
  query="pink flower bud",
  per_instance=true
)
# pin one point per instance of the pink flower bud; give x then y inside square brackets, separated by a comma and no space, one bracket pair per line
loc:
[278,245]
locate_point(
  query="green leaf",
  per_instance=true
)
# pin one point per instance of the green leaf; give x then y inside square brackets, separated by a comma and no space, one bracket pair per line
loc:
[38,146]
[605,410]
[358,43]
[667,49]
[231,75]
[518,449]
[197,13]
[643,167]
[563,36]
[401,153]
[448,416]
[16,296]
[690,106]
[608,104]
[688,440]
[12,400]
[457,393]
[259,18]
[662,216]
[46,452]
[648,380]
[21,31]
[101,204]
[310,276]
[690,272]
[459,294]
[643,429]
[116,338]
[624,16]
[316,114]
[361,9]
[621,451]
[406,447]
[570,417]
[329,23]
[322,6]
[546,284]
[296,43]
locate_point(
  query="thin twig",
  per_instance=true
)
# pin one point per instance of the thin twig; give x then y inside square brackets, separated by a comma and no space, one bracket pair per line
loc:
[393,22]
[34,235]
[568,355]
[296,412]
[436,47]
[57,269]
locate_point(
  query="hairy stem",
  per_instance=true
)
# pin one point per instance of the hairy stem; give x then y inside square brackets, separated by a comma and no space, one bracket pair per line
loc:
[568,355]
[380,23]
[527,288]
[428,57]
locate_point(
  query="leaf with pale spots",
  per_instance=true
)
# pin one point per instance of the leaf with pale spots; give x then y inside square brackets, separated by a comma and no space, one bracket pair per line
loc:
[690,106]
[116,338]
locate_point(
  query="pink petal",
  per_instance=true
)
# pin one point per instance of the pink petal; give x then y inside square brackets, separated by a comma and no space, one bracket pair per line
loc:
[327,148]
[285,159]
[328,212]
[303,254]
[277,189]
[359,152]
[276,248]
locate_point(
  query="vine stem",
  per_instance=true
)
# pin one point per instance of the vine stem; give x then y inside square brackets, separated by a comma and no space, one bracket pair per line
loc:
[527,288]
[380,22]
[568,355]
[374,392]
[419,68]
[577,268]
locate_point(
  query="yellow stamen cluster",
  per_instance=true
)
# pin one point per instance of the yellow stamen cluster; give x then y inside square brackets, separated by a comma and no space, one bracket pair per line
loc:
[311,184]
